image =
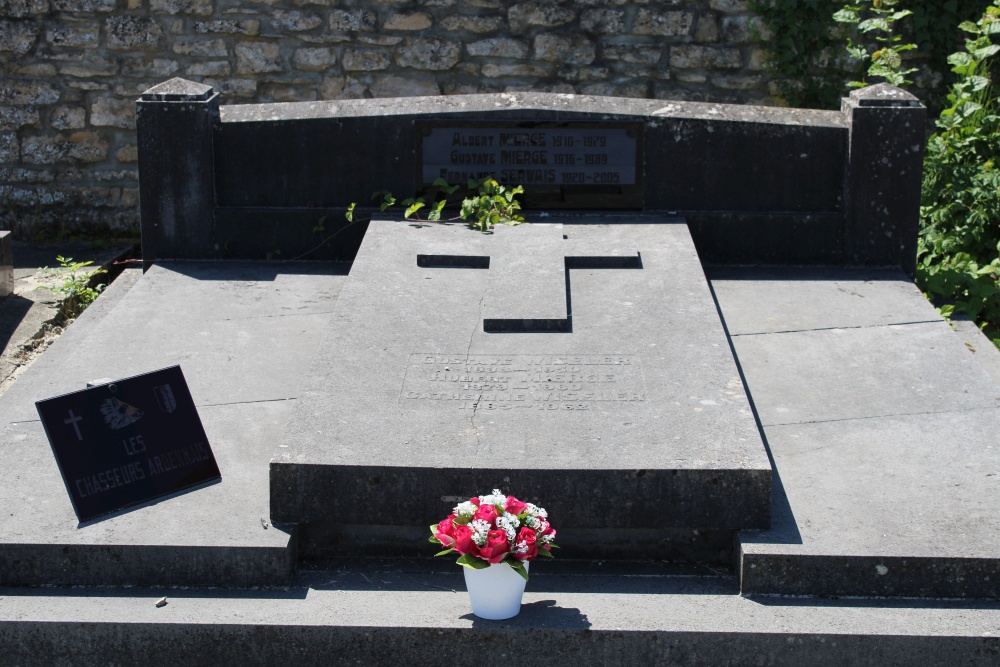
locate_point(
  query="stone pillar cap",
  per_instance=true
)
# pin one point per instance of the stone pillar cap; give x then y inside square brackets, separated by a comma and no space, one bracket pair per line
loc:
[883,95]
[178,90]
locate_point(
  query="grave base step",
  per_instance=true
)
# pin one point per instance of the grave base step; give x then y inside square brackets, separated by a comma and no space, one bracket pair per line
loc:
[207,565]
[781,572]
[322,542]
[418,612]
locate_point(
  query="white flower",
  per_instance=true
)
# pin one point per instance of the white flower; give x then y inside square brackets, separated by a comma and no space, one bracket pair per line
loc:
[496,498]
[509,523]
[548,538]
[480,530]
[465,509]
[521,547]
[534,510]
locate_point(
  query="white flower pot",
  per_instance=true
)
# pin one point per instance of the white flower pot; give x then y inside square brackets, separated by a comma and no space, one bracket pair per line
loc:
[495,591]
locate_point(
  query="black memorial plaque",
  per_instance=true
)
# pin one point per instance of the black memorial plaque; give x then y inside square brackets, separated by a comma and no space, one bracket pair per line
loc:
[560,165]
[128,441]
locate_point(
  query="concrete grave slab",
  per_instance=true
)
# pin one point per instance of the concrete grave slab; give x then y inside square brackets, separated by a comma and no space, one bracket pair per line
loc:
[782,299]
[882,433]
[215,535]
[848,373]
[243,322]
[904,505]
[638,406]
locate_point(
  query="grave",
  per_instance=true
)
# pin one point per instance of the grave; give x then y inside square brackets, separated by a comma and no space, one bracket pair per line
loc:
[578,362]
[720,381]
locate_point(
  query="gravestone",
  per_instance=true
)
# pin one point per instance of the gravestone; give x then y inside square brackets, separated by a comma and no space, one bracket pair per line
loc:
[583,366]
[6,264]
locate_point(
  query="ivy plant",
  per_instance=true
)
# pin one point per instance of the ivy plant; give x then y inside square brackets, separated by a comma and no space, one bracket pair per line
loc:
[876,22]
[485,203]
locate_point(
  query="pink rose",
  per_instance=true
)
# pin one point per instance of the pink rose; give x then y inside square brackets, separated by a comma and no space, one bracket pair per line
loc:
[445,532]
[474,501]
[515,506]
[525,547]
[487,513]
[463,541]
[548,532]
[495,548]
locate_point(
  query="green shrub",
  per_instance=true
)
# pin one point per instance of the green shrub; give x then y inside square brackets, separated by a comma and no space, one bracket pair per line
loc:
[805,54]
[874,26]
[76,285]
[958,252]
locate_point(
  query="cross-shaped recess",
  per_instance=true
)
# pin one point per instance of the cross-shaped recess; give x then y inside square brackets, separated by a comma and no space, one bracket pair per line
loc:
[528,287]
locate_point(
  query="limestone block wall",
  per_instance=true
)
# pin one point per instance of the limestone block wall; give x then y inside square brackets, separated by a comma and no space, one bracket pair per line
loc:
[72,70]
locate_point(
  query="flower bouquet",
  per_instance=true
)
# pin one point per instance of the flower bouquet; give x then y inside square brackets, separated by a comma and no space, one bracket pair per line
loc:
[496,536]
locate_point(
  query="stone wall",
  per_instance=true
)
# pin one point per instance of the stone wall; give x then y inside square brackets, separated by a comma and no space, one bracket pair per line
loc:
[74,68]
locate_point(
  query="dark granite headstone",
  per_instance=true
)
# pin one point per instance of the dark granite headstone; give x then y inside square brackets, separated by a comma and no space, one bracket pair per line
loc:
[128,441]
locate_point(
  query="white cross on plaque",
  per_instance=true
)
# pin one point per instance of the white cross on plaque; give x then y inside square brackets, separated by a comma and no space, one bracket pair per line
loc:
[73,419]
[528,287]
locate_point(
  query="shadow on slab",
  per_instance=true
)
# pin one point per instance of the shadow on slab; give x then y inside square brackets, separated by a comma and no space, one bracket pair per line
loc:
[784,529]
[544,614]
[154,594]
[565,577]
[13,309]
[148,503]
[259,271]
[783,522]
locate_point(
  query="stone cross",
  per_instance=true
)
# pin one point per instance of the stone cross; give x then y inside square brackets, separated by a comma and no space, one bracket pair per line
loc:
[529,287]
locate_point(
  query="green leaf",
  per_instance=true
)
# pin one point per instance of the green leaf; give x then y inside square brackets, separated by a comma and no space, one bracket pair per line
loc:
[969,26]
[518,567]
[413,208]
[874,24]
[986,52]
[349,214]
[444,553]
[471,562]
[847,15]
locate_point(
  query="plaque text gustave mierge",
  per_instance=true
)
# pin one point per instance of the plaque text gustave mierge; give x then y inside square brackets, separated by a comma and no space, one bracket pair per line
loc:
[521,382]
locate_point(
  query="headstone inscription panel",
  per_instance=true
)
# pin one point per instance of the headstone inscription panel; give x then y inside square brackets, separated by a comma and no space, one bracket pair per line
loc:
[128,441]
[561,165]
[635,403]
